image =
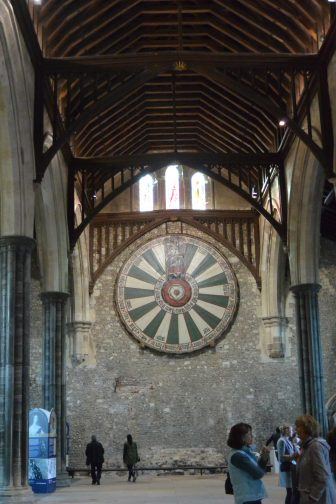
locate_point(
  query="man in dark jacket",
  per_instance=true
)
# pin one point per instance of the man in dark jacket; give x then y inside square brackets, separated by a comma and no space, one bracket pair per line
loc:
[95,457]
[274,439]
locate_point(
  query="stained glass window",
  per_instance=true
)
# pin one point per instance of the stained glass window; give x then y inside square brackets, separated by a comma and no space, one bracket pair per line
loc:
[172,188]
[198,191]
[146,190]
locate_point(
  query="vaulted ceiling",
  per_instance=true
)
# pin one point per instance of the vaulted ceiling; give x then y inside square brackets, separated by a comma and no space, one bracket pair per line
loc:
[176,69]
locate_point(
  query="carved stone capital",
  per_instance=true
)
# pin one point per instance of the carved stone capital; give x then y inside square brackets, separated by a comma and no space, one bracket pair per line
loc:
[20,242]
[305,288]
[55,297]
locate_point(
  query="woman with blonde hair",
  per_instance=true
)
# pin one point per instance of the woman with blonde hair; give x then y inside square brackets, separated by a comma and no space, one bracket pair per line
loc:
[314,477]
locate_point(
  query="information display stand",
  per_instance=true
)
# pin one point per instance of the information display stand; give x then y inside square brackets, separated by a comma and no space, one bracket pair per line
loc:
[42,450]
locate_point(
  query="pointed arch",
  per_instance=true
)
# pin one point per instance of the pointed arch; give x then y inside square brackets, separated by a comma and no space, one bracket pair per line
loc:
[305,183]
[16,132]
[51,227]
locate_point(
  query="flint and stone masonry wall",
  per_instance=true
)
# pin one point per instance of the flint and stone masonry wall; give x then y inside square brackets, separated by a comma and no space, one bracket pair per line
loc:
[36,342]
[327,305]
[179,409]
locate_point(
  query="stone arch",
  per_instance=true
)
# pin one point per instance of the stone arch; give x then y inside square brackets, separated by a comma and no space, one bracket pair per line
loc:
[16,132]
[80,304]
[305,189]
[51,228]
[80,347]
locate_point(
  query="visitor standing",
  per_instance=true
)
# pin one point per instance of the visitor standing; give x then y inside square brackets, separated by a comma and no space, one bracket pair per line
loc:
[315,480]
[245,468]
[130,457]
[286,455]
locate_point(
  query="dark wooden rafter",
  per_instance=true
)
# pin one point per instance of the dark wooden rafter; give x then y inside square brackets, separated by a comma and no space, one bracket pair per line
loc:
[243,87]
[94,109]
[249,176]
[110,234]
[128,79]
[131,62]
[151,108]
[260,80]
[43,95]
[278,26]
[266,104]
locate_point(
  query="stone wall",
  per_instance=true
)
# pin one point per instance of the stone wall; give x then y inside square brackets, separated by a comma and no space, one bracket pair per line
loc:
[36,351]
[327,304]
[179,408]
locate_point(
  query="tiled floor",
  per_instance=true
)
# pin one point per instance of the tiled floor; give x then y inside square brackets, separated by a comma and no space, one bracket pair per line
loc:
[153,490]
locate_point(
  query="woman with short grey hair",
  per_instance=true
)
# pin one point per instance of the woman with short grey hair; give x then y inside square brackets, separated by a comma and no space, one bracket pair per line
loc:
[315,481]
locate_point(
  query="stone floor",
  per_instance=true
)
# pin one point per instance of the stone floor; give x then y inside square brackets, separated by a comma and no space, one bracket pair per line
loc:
[153,490]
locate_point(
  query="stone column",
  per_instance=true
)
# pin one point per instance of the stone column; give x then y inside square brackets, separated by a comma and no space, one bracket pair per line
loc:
[54,355]
[161,191]
[187,188]
[310,351]
[15,276]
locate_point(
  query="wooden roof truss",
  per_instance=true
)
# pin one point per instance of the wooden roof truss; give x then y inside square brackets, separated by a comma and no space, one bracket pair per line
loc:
[130,86]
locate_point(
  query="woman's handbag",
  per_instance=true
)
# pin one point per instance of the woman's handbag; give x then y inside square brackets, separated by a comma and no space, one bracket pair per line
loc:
[228,485]
[286,466]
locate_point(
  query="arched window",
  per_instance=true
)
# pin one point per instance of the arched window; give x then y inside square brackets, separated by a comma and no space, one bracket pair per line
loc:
[198,200]
[172,188]
[146,193]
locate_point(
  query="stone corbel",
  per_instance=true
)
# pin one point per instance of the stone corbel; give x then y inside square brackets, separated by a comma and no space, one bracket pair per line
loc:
[81,348]
[275,330]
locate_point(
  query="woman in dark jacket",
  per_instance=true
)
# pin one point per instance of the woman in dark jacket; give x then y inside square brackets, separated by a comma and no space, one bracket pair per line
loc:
[130,457]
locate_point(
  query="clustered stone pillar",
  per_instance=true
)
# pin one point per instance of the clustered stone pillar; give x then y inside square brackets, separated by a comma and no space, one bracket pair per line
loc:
[310,351]
[15,276]
[54,357]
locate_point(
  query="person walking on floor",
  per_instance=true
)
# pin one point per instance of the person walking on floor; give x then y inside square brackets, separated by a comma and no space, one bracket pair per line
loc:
[130,457]
[95,458]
